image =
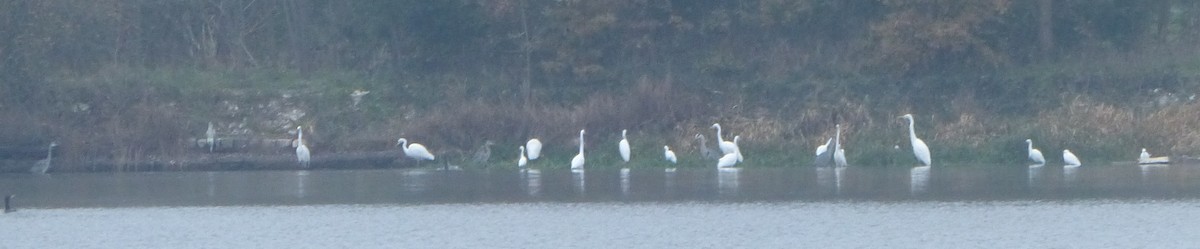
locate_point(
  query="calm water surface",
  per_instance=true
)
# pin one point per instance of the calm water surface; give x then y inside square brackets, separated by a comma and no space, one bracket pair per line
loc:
[1001,206]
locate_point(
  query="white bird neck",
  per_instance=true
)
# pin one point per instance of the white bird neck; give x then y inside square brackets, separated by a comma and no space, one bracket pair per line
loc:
[49,152]
[581,142]
[404,144]
[719,139]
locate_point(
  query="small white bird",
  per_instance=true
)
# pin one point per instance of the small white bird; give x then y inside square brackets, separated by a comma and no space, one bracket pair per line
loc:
[726,161]
[920,150]
[1070,159]
[668,154]
[623,146]
[302,154]
[577,161]
[726,147]
[1035,155]
[522,161]
[839,156]
[533,148]
[414,150]
[1145,155]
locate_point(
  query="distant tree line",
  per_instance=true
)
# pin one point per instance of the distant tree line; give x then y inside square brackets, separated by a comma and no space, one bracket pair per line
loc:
[573,42]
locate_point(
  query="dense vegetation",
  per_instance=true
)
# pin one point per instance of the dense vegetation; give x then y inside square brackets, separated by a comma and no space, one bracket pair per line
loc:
[135,79]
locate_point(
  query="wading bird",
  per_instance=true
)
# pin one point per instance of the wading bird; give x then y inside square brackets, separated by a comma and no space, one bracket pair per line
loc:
[668,154]
[1070,159]
[705,151]
[533,148]
[1145,155]
[577,161]
[41,166]
[210,136]
[1035,155]
[725,146]
[920,150]
[302,154]
[623,146]
[414,150]
[839,156]
[483,153]
[522,161]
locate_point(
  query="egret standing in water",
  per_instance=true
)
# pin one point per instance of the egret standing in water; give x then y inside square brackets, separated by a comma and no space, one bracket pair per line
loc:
[302,154]
[920,150]
[522,161]
[725,146]
[623,146]
[1070,159]
[41,166]
[414,150]
[728,160]
[1145,155]
[668,154]
[533,148]
[577,161]
[839,156]
[210,136]
[1035,155]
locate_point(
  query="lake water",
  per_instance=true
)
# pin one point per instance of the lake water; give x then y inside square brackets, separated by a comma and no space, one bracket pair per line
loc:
[996,206]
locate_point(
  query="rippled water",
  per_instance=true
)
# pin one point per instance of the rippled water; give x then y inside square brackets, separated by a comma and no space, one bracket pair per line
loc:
[966,206]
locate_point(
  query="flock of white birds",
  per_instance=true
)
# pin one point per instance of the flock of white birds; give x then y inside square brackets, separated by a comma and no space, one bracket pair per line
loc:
[730,155]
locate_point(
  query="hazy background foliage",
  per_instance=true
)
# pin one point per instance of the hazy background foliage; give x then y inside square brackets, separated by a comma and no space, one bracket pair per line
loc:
[981,75]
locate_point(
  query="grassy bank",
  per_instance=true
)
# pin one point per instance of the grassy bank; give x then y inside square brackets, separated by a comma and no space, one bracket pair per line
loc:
[1102,111]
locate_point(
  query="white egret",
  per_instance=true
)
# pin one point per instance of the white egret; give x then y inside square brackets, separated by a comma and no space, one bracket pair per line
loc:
[41,166]
[839,155]
[726,161]
[210,137]
[824,147]
[705,151]
[533,148]
[8,204]
[577,161]
[668,154]
[623,146]
[302,154]
[1070,159]
[1145,155]
[919,148]
[522,161]
[736,149]
[1035,155]
[725,146]
[414,150]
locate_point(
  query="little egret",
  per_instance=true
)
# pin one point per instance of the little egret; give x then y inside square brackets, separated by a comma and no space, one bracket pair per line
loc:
[302,154]
[919,148]
[737,150]
[668,154]
[41,166]
[1069,158]
[1145,155]
[577,161]
[414,150]
[1035,155]
[522,161]
[210,137]
[533,148]
[623,146]
[705,151]
[725,146]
